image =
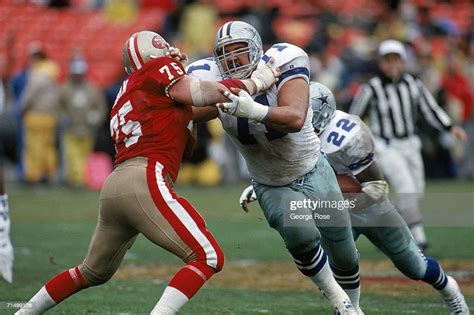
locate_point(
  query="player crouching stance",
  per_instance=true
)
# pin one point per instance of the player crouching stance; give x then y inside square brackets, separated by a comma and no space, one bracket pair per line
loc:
[150,124]
[349,147]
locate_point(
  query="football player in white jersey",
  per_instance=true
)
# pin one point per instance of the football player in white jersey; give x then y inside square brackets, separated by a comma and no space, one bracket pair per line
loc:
[349,146]
[274,133]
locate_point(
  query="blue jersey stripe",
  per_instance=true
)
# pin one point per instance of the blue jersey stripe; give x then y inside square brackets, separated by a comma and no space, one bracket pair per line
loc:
[292,72]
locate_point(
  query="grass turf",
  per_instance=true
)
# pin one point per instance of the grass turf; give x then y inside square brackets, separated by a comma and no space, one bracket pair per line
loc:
[51,229]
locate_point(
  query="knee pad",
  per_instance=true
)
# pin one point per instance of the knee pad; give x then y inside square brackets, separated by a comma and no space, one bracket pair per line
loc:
[94,278]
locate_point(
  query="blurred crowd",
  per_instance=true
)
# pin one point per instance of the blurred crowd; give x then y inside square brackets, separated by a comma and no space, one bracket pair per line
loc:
[59,123]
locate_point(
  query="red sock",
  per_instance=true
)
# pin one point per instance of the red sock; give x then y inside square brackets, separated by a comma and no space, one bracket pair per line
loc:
[65,284]
[191,278]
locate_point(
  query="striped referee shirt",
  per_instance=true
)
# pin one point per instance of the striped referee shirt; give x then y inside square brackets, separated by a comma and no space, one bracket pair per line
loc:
[394,107]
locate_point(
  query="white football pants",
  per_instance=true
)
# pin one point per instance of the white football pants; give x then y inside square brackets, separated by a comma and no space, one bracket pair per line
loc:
[402,166]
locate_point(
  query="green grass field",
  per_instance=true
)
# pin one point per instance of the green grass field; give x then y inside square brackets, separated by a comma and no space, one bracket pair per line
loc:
[51,229]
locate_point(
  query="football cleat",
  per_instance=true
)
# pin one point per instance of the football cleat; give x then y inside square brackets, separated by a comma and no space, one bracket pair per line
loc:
[345,308]
[454,299]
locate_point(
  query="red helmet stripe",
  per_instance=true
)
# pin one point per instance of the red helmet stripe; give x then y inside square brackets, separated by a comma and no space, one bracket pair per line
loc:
[140,60]
[129,52]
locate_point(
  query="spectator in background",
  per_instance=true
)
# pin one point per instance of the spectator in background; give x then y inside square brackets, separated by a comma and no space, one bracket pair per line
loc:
[40,109]
[83,107]
[197,28]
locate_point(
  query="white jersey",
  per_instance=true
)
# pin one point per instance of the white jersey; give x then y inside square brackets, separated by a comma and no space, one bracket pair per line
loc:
[273,158]
[348,144]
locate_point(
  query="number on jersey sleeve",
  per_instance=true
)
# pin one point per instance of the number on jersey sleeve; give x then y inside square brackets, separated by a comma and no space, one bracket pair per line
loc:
[165,70]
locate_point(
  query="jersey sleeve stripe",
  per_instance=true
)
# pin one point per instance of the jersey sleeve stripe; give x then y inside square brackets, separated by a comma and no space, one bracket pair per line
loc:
[362,162]
[295,72]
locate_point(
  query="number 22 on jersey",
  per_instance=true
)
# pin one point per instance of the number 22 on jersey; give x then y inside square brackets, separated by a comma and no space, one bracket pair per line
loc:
[337,138]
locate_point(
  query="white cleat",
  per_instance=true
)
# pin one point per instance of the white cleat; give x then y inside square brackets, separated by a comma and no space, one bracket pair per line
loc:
[6,260]
[345,308]
[360,311]
[454,299]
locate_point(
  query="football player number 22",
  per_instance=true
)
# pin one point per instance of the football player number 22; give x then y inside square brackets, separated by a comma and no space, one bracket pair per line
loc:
[334,136]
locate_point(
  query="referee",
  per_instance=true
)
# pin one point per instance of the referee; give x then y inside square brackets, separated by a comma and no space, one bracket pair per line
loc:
[393,101]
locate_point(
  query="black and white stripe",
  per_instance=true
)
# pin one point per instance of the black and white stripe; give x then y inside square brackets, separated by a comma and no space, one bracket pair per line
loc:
[347,279]
[224,31]
[394,107]
[312,262]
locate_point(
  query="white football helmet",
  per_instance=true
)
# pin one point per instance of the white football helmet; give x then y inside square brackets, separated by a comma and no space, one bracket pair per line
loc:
[141,47]
[323,104]
[237,32]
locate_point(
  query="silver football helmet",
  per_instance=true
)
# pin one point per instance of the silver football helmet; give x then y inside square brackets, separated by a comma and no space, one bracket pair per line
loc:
[141,47]
[323,104]
[237,32]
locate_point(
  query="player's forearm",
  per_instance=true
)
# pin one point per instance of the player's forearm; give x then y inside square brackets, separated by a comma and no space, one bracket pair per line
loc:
[285,119]
[205,93]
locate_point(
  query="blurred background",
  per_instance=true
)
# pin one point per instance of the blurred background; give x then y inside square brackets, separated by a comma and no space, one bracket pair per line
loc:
[61,68]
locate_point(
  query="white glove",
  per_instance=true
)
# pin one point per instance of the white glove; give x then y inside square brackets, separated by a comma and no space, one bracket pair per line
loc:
[265,75]
[377,189]
[248,195]
[243,106]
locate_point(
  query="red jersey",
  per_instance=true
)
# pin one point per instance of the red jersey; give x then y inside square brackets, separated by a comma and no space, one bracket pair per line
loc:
[146,122]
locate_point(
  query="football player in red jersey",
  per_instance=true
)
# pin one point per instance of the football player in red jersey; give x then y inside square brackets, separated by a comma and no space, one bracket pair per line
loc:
[150,124]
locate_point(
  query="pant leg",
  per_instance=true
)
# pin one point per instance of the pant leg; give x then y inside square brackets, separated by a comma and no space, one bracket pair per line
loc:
[336,233]
[396,169]
[386,229]
[299,236]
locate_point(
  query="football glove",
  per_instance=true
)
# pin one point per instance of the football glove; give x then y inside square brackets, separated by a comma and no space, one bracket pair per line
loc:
[247,196]
[243,106]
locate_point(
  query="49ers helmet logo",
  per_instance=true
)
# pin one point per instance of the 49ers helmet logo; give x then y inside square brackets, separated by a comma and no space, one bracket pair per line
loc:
[159,42]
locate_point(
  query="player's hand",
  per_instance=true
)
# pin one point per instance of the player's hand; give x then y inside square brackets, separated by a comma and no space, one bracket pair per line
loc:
[265,75]
[247,196]
[177,55]
[242,105]
[459,133]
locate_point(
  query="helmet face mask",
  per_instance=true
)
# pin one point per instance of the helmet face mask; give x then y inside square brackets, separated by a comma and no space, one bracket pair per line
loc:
[229,54]
[323,104]
[141,47]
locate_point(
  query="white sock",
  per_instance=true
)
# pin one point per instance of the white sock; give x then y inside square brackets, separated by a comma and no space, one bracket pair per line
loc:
[170,302]
[354,295]
[324,279]
[418,233]
[39,303]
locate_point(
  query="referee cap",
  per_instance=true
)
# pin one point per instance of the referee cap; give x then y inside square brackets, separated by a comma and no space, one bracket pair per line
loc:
[392,46]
